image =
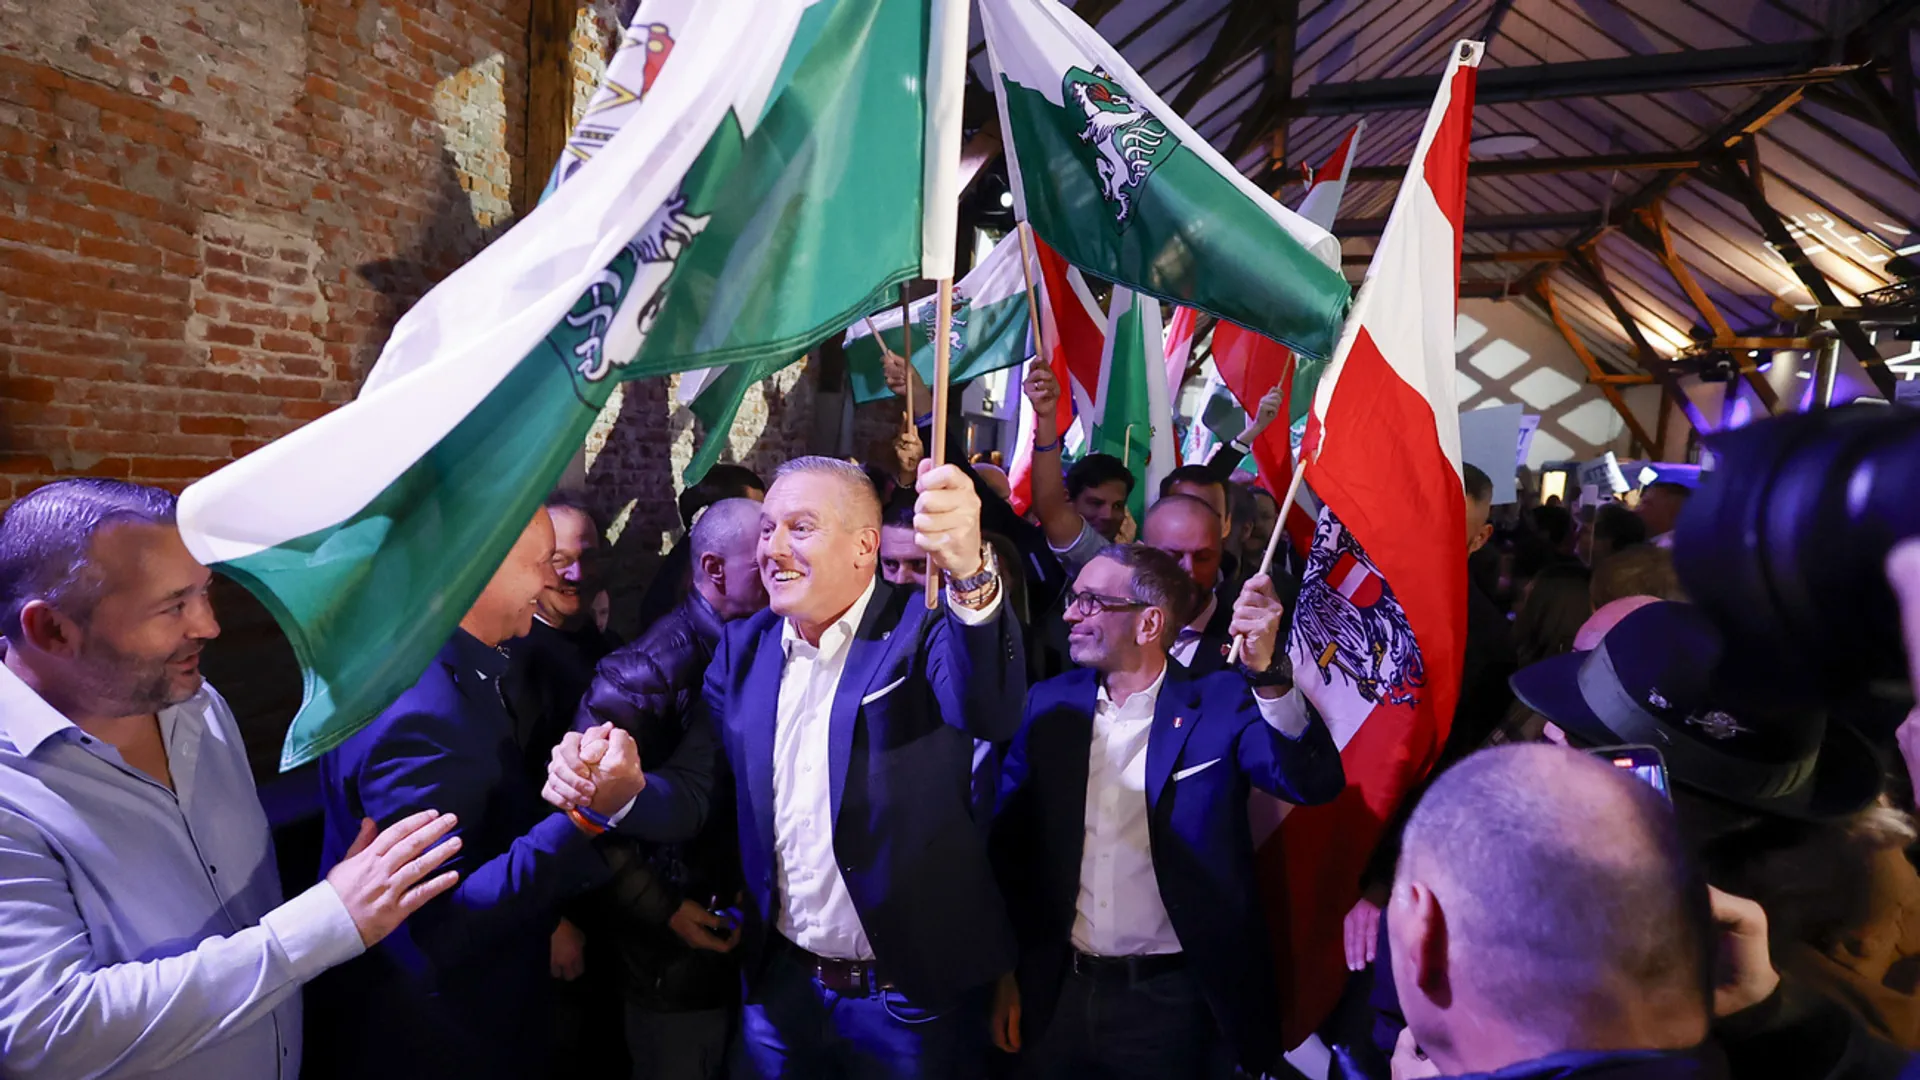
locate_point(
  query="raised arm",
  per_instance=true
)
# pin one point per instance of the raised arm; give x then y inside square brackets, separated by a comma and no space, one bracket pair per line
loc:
[1063,524]
[1228,456]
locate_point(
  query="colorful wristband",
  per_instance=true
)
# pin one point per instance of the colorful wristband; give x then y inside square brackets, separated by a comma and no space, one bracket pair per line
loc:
[581,822]
[1048,448]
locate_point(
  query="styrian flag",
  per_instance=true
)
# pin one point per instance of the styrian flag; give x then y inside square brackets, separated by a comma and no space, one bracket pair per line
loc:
[369,532]
[1106,173]
[1379,627]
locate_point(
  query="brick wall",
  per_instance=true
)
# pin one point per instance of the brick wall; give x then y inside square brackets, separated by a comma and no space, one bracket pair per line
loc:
[211,215]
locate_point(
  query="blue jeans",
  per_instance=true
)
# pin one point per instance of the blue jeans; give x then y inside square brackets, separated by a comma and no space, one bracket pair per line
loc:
[801,1030]
[1157,1028]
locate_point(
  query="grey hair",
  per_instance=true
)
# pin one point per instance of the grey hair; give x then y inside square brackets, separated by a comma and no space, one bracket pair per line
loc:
[1563,881]
[862,508]
[1157,580]
[722,526]
[46,537]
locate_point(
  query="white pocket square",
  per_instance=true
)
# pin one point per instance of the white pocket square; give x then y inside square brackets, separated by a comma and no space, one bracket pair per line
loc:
[883,691]
[1202,767]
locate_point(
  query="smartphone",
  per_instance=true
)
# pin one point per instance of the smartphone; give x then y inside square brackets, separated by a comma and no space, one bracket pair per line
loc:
[1644,762]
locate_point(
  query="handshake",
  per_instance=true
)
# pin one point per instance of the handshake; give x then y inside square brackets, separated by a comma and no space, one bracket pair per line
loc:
[596,772]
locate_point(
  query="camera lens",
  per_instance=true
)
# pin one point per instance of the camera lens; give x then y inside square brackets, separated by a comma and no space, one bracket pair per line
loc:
[1785,546]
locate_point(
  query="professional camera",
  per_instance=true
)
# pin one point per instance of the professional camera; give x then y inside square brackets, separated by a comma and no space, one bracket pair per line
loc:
[1784,546]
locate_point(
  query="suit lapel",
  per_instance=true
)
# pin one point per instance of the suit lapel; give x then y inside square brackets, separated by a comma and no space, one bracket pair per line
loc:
[1176,712]
[872,641]
[1075,745]
[760,693]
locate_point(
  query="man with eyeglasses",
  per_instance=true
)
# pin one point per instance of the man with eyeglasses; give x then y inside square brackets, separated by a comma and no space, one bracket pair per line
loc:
[1123,841]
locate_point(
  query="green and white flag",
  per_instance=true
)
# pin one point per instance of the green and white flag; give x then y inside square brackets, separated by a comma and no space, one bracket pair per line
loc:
[1132,415]
[369,532]
[1122,188]
[819,216]
[989,330]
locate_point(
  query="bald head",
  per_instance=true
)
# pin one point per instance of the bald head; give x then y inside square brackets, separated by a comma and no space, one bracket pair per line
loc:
[1545,899]
[723,543]
[728,526]
[1189,530]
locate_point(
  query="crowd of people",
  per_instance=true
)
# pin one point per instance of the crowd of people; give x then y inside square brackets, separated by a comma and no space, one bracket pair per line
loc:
[809,823]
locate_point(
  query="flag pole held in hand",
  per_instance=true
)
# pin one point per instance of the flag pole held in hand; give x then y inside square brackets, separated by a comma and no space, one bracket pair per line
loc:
[906,343]
[1273,542]
[942,327]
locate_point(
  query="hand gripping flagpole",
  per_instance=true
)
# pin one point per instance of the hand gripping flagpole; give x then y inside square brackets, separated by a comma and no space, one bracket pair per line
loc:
[1273,543]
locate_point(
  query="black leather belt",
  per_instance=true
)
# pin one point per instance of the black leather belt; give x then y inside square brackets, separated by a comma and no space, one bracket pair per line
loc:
[1126,968]
[842,976]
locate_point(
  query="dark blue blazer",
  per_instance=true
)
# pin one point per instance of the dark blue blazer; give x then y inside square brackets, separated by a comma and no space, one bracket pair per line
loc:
[917,688]
[460,989]
[1209,729]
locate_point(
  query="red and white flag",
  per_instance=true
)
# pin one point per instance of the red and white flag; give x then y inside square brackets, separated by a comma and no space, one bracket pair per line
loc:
[1380,625]
[1250,364]
[1074,333]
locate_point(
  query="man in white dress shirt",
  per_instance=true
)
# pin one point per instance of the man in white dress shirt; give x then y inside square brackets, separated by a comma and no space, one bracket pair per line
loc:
[1123,840]
[848,711]
[145,931]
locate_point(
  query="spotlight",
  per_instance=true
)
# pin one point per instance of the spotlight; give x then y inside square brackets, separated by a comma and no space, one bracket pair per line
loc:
[1006,199]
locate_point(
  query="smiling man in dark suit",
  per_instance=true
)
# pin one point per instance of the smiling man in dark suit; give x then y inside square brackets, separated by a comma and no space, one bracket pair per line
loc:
[1123,837]
[873,925]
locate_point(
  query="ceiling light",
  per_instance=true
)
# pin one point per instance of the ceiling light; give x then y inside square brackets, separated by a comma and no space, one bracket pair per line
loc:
[1496,145]
[1006,199]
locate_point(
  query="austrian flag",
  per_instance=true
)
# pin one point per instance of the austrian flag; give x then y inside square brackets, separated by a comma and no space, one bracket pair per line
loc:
[1380,625]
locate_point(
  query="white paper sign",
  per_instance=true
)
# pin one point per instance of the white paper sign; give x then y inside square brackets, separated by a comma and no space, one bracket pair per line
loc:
[1487,439]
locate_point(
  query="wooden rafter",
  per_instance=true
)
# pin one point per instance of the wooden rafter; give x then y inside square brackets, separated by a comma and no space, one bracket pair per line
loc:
[1267,118]
[1649,230]
[1736,181]
[1587,260]
[1595,373]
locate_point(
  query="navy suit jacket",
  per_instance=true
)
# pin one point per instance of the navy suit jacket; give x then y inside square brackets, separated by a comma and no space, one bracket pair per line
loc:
[460,989]
[918,687]
[1210,729]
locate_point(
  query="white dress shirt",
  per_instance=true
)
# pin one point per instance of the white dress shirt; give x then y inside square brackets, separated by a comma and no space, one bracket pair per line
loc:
[1187,643]
[816,910]
[1119,912]
[145,933]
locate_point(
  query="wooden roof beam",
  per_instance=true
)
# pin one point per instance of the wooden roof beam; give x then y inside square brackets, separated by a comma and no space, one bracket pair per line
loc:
[1595,373]
[1649,230]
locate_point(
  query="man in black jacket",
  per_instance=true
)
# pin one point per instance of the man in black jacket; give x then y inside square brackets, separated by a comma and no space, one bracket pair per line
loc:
[681,985]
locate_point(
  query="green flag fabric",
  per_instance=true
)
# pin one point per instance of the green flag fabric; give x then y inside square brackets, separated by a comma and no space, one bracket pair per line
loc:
[1133,419]
[369,532]
[1122,188]
[990,328]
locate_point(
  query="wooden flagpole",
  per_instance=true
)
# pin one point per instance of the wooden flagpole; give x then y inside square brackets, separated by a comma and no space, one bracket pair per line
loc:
[942,329]
[906,344]
[1273,543]
[1026,273]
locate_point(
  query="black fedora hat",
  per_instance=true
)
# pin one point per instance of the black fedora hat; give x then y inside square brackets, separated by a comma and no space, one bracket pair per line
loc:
[1651,680]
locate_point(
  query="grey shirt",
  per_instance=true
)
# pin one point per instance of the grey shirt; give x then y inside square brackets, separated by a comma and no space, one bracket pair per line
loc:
[142,931]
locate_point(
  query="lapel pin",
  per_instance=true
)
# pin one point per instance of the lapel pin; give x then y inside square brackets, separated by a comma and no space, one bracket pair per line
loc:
[1178,720]
[885,634]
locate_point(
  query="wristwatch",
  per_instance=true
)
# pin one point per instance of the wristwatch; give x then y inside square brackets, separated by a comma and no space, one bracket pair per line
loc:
[1278,673]
[989,570]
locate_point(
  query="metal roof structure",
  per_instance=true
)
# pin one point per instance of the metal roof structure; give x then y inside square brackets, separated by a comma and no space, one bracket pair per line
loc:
[1702,179]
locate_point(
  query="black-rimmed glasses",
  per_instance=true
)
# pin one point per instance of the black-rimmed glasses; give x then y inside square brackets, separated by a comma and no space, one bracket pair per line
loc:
[1091,603]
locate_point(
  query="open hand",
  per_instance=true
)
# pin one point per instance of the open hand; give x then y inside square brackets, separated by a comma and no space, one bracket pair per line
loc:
[1362,931]
[381,879]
